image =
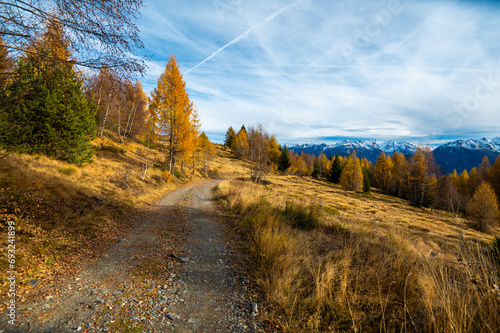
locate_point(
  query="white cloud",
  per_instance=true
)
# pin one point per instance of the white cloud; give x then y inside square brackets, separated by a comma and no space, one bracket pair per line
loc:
[309,69]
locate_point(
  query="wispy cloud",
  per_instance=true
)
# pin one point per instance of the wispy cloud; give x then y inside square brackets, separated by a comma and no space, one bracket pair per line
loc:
[314,69]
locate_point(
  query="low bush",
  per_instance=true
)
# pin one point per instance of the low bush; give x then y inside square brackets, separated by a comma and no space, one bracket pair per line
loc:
[113,149]
[68,171]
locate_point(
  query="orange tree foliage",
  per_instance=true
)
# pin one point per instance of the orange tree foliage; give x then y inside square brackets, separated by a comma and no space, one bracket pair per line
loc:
[483,207]
[240,145]
[352,175]
[383,172]
[206,149]
[174,112]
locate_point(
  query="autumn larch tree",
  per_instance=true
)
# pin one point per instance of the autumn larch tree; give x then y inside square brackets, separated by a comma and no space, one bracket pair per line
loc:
[206,149]
[383,175]
[133,118]
[258,139]
[352,176]
[494,176]
[175,111]
[421,182]
[240,145]
[274,152]
[483,207]
[399,172]
[323,164]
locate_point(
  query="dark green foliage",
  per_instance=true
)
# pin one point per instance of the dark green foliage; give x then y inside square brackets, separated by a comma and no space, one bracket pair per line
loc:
[230,135]
[44,110]
[335,171]
[300,217]
[315,172]
[161,167]
[284,162]
[366,181]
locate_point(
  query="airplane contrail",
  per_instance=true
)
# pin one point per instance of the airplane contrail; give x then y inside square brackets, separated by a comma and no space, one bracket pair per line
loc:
[243,35]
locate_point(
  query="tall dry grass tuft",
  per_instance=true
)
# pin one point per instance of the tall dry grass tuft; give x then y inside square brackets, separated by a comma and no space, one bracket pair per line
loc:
[462,296]
[340,277]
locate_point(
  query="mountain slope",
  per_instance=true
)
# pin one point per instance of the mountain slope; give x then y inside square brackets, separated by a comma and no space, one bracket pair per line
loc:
[466,154]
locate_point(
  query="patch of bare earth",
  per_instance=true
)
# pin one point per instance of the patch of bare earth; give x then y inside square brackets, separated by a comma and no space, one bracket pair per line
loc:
[176,271]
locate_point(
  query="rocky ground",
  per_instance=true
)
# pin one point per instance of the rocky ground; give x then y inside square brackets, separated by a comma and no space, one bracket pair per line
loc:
[177,271]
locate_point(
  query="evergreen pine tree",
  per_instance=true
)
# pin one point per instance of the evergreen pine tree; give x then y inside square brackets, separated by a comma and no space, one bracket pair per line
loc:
[316,170]
[230,135]
[335,171]
[366,181]
[46,110]
[284,162]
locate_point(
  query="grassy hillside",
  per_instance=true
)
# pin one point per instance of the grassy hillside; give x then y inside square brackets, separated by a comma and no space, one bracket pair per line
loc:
[65,215]
[328,260]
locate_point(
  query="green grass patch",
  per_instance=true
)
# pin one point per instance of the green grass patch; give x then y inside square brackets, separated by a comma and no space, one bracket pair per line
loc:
[300,217]
[67,170]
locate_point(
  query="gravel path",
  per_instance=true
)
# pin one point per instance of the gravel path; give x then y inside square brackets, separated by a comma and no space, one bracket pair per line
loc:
[175,272]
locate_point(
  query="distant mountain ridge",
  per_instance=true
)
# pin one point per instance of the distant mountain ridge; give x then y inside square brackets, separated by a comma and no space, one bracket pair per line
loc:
[459,154]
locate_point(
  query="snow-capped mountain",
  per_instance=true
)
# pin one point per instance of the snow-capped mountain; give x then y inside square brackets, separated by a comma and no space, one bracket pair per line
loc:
[459,154]
[466,154]
[364,149]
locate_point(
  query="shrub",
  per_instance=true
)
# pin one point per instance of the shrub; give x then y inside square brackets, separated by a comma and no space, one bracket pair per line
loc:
[113,149]
[68,171]
[300,217]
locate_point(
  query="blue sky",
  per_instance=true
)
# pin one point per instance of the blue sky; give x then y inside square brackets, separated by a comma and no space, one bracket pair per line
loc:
[317,71]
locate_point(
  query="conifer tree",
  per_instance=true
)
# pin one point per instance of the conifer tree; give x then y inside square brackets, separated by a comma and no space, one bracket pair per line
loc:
[483,207]
[383,175]
[284,162]
[421,184]
[240,144]
[274,151]
[258,151]
[399,172]
[323,165]
[45,107]
[335,170]
[316,169]
[175,111]
[473,182]
[484,169]
[494,176]
[206,149]
[366,181]
[230,135]
[352,176]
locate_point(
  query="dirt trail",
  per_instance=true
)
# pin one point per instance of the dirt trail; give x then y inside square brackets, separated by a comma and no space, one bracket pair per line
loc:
[175,272]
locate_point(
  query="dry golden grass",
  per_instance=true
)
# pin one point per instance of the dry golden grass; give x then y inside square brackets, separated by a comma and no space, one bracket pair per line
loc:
[366,266]
[424,230]
[225,165]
